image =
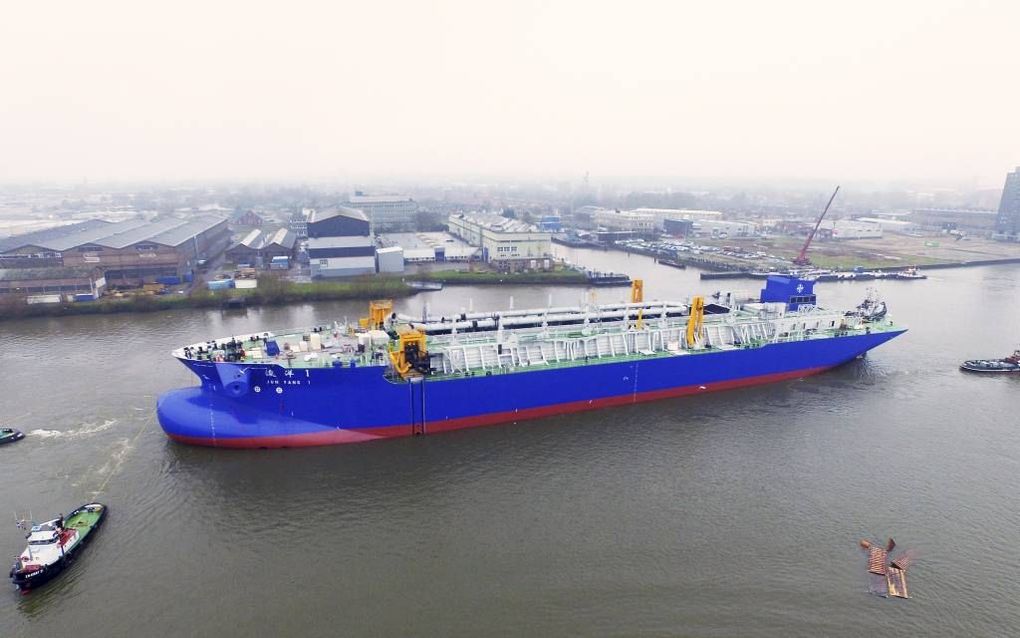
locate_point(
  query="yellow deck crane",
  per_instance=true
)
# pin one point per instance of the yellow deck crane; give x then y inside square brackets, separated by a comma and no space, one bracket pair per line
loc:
[410,356]
[378,312]
[696,320]
[637,295]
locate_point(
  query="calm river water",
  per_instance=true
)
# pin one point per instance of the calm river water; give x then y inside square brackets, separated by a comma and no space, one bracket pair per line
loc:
[718,515]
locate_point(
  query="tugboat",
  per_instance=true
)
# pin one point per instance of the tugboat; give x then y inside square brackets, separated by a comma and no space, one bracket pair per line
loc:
[911,273]
[671,262]
[425,285]
[596,278]
[54,544]
[872,308]
[10,435]
[1001,366]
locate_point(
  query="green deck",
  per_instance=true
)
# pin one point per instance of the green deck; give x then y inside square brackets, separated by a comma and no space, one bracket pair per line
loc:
[83,521]
[662,354]
[365,359]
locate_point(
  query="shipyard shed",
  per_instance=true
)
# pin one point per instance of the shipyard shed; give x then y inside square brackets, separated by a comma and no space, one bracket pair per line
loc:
[340,222]
[329,267]
[130,252]
[390,260]
[279,243]
[349,246]
[259,247]
[77,283]
[32,250]
[246,251]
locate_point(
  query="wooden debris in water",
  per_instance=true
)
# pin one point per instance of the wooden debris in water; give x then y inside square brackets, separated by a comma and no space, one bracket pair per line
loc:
[887,578]
[877,558]
[904,560]
[878,585]
[897,581]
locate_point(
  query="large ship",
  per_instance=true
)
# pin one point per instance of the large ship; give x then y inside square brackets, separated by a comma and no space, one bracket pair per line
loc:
[393,375]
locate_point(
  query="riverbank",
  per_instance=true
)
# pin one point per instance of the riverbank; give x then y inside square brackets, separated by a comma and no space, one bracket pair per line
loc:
[564,277]
[270,292]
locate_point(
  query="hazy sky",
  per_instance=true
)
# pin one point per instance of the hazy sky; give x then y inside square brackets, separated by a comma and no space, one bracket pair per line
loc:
[814,89]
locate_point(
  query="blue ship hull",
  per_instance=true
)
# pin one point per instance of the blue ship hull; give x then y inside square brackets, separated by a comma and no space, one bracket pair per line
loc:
[267,405]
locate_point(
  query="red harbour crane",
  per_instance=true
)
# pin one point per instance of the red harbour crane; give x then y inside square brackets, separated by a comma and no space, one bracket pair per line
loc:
[802,259]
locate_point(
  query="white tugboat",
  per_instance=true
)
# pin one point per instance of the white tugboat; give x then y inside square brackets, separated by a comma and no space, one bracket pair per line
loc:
[54,544]
[873,308]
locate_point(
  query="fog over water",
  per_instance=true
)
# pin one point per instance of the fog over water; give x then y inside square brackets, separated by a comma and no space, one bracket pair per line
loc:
[197,90]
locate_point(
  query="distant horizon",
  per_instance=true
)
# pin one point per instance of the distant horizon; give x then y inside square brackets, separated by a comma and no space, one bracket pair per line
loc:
[394,183]
[888,93]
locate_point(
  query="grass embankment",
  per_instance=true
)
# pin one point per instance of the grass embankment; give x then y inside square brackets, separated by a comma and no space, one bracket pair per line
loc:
[270,292]
[868,263]
[468,277]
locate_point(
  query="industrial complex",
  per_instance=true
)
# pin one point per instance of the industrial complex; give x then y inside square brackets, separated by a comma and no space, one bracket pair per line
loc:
[83,255]
[88,256]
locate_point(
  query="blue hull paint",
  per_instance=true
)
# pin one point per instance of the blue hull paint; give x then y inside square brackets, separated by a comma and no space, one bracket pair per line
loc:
[258,400]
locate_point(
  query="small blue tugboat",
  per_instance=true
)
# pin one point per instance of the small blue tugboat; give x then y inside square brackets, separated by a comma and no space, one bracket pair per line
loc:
[10,435]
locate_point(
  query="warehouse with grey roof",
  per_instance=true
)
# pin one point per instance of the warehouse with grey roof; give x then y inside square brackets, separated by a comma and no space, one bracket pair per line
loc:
[130,252]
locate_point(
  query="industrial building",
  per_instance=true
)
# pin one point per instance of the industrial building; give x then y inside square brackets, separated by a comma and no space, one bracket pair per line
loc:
[390,260]
[851,229]
[550,223]
[505,243]
[62,283]
[662,214]
[386,212]
[299,224]
[430,247]
[246,251]
[939,219]
[258,247]
[248,218]
[279,243]
[327,267]
[130,252]
[338,222]
[340,244]
[724,228]
[350,246]
[584,216]
[678,227]
[640,223]
[1007,223]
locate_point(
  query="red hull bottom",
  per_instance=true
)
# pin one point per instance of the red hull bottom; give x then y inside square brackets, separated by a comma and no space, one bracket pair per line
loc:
[338,437]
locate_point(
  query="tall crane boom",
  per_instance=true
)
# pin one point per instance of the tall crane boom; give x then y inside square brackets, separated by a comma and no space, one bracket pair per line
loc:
[802,259]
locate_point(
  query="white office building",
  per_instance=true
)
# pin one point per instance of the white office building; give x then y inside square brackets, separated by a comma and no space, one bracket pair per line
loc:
[507,242]
[662,214]
[625,220]
[855,229]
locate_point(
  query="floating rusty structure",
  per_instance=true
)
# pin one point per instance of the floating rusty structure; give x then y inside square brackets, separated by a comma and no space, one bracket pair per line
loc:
[887,578]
